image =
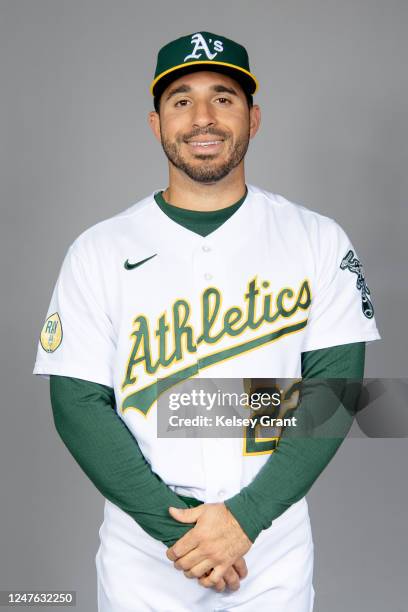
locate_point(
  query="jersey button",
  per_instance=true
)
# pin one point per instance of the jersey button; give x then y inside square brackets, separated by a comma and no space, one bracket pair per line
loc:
[208,276]
[206,248]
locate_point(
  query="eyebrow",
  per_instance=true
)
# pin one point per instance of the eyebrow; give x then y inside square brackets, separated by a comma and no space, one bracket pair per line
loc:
[186,89]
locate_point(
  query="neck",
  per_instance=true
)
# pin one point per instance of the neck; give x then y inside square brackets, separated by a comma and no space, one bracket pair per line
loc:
[186,193]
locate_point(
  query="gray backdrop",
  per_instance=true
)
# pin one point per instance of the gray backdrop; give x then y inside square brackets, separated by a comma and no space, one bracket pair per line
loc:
[76,148]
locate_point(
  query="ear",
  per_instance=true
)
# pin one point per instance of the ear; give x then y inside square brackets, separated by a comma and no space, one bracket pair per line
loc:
[154,122]
[254,120]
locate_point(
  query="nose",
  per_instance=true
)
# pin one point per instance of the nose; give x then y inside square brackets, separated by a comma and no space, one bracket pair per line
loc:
[203,114]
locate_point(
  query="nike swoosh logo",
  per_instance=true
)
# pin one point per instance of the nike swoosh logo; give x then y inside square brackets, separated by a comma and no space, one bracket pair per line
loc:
[131,266]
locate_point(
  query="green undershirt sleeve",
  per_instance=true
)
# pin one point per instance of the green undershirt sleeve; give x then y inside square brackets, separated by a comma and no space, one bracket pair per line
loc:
[298,461]
[107,452]
[110,456]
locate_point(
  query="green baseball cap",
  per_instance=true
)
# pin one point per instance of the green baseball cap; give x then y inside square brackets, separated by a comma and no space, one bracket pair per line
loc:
[202,51]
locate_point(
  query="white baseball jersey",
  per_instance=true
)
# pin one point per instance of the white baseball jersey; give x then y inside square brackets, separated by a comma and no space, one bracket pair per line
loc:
[140,298]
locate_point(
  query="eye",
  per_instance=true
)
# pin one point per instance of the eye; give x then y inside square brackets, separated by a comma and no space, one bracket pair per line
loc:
[182,102]
[224,100]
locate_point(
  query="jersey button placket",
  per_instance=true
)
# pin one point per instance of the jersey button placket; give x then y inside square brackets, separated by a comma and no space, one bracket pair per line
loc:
[203,269]
[204,264]
[203,272]
[206,248]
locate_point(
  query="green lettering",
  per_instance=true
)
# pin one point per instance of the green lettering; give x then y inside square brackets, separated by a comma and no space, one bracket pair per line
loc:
[140,351]
[231,317]
[182,331]
[210,317]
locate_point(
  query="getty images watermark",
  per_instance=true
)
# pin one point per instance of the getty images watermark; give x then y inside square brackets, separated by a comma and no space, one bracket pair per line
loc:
[219,401]
[259,409]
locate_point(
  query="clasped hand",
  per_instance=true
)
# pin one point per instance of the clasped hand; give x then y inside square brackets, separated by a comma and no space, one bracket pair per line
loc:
[212,551]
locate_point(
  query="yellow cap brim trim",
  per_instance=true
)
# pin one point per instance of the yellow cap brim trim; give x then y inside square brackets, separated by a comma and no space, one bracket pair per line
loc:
[157,79]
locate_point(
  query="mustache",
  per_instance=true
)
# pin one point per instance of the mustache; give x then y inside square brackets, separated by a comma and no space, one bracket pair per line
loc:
[204,132]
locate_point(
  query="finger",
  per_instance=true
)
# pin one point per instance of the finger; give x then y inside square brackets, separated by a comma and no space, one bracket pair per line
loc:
[191,559]
[214,577]
[219,587]
[241,567]
[201,569]
[232,580]
[183,546]
[185,515]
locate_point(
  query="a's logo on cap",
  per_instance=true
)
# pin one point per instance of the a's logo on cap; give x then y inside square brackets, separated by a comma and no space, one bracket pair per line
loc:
[200,44]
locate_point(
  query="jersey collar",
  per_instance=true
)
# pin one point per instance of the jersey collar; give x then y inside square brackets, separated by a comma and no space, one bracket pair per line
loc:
[241,227]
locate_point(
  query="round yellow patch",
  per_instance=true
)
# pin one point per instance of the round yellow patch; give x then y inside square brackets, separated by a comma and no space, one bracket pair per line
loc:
[51,334]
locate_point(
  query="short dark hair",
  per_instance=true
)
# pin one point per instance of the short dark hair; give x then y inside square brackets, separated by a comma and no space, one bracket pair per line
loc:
[156,101]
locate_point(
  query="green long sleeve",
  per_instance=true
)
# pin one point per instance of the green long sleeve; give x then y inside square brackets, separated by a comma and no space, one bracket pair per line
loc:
[298,461]
[109,455]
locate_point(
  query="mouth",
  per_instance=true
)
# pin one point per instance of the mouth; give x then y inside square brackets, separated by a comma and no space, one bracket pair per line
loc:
[205,145]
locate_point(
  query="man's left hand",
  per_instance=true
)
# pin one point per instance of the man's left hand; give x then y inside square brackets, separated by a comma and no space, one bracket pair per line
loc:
[213,545]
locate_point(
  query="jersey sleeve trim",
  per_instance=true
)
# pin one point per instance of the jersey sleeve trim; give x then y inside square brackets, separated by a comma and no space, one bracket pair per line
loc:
[73,371]
[337,340]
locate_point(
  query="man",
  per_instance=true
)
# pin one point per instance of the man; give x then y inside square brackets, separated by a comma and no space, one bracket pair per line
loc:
[209,277]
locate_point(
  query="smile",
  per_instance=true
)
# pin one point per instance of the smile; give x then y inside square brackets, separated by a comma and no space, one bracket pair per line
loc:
[205,144]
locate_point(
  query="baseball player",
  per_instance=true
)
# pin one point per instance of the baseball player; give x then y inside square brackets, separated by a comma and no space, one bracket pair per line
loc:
[208,277]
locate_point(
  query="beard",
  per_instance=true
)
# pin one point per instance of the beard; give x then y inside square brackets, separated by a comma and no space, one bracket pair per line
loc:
[208,171]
